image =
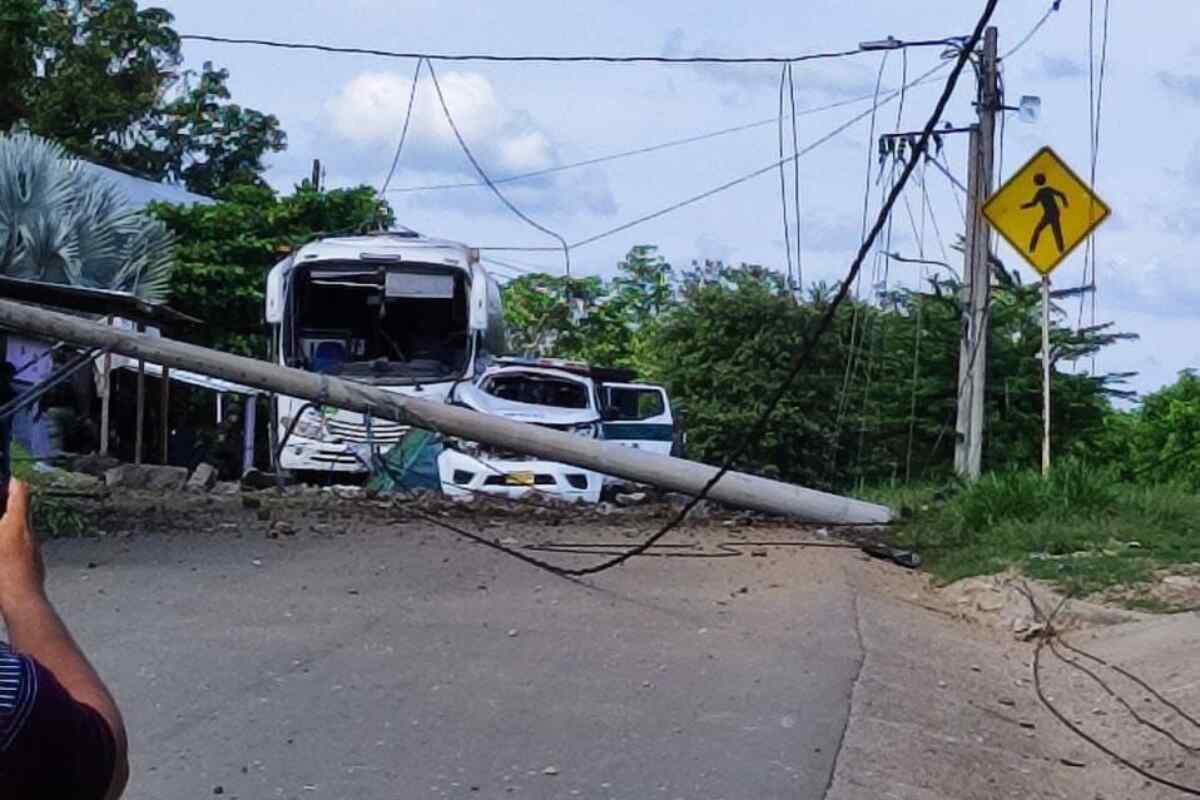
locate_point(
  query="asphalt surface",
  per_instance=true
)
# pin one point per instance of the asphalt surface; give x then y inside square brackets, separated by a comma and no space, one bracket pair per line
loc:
[402,662]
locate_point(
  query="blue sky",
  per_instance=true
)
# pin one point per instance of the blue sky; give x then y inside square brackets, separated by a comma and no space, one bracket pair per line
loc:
[347,110]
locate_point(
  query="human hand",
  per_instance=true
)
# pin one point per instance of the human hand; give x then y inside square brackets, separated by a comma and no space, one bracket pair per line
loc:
[21,569]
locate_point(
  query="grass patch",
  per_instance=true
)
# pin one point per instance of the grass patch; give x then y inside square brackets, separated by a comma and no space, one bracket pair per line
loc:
[1080,528]
[53,517]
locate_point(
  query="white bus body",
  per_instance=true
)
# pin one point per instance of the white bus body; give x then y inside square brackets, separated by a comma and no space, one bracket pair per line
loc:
[397,310]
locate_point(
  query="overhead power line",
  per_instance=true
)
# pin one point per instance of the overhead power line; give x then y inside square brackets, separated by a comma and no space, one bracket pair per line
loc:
[796,185]
[566,249]
[588,162]
[551,59]
[787,234]
[800,359]
[774,165]
[1037,26]
[412,94]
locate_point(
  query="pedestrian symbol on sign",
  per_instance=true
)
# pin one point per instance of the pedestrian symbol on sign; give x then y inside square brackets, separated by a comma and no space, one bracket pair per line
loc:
[1047,197]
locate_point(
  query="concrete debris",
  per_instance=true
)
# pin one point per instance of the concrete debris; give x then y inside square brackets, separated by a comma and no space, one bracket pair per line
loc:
[150,477]
[94,464]
[256,480]
[204,478]
[631,499]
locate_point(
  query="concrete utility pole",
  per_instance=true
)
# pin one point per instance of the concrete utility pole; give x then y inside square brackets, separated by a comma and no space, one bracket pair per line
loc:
[977,291]
[675,474]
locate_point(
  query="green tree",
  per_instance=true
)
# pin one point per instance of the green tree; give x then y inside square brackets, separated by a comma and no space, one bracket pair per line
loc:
[590,319]
[226,250]
[877,399]
[205,142]
[102,78]
[1159,442]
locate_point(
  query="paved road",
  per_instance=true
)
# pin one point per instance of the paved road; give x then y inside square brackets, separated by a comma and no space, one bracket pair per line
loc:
[404,663]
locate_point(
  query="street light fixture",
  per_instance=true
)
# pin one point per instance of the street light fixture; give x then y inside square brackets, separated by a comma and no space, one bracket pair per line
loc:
[892,43]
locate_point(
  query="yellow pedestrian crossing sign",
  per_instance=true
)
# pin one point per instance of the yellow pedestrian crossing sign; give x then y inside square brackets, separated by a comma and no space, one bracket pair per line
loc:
[1045,210]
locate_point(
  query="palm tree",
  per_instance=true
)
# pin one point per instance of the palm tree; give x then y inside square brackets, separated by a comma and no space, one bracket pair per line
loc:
[61,223]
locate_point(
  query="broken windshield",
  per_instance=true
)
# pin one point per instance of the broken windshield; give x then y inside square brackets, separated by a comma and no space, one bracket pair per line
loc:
[376,324]
[538,389]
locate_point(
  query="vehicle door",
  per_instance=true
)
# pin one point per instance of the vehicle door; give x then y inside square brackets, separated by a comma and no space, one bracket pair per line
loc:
[637,415]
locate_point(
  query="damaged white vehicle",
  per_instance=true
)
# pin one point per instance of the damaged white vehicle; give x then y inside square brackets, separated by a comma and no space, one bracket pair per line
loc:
[565,396]
[409,314]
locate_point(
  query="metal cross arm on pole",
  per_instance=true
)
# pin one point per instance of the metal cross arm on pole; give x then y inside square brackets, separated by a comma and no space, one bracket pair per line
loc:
[674,474]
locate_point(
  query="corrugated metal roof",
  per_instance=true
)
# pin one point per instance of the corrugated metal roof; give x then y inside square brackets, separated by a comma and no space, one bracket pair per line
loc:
[141,192]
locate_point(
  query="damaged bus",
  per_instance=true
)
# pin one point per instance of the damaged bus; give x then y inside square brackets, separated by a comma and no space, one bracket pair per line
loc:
[397,310]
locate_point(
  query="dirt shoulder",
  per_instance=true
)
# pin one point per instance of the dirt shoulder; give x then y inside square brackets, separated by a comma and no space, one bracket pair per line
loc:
[946,704]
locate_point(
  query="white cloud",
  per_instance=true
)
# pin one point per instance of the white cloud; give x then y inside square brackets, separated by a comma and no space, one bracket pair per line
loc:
[370,109]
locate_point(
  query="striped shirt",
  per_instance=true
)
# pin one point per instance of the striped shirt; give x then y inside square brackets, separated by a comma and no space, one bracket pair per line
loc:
[18,688]
[51,746]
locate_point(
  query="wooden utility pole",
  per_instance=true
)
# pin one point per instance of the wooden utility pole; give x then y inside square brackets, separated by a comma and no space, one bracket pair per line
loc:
[316,175]
[977,290]
[608,458]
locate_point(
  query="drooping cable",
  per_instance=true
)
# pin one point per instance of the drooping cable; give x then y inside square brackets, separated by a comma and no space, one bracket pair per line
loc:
[783,203]
[917,329]
[412,94]
[1096,95]
[728,184]
[566,249]
[1032,31]
[843,397]
[796,186]
[551,59]
[701,137]
[801,358]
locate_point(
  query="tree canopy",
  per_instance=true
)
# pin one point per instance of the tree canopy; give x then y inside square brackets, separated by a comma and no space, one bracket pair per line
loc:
[877,400]
[103,78]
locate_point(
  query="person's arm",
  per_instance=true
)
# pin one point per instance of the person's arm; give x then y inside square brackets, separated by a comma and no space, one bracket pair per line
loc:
[35,629]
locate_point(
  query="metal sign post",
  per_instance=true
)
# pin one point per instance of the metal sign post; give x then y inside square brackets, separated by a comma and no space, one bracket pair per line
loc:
[1045,375]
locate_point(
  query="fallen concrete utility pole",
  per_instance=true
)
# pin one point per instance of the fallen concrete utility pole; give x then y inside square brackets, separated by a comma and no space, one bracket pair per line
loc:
[675,474]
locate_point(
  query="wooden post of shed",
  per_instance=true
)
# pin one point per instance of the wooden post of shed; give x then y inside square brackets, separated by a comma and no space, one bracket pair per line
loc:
[106,398]
[164,414]
[141,405]
[248,433]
